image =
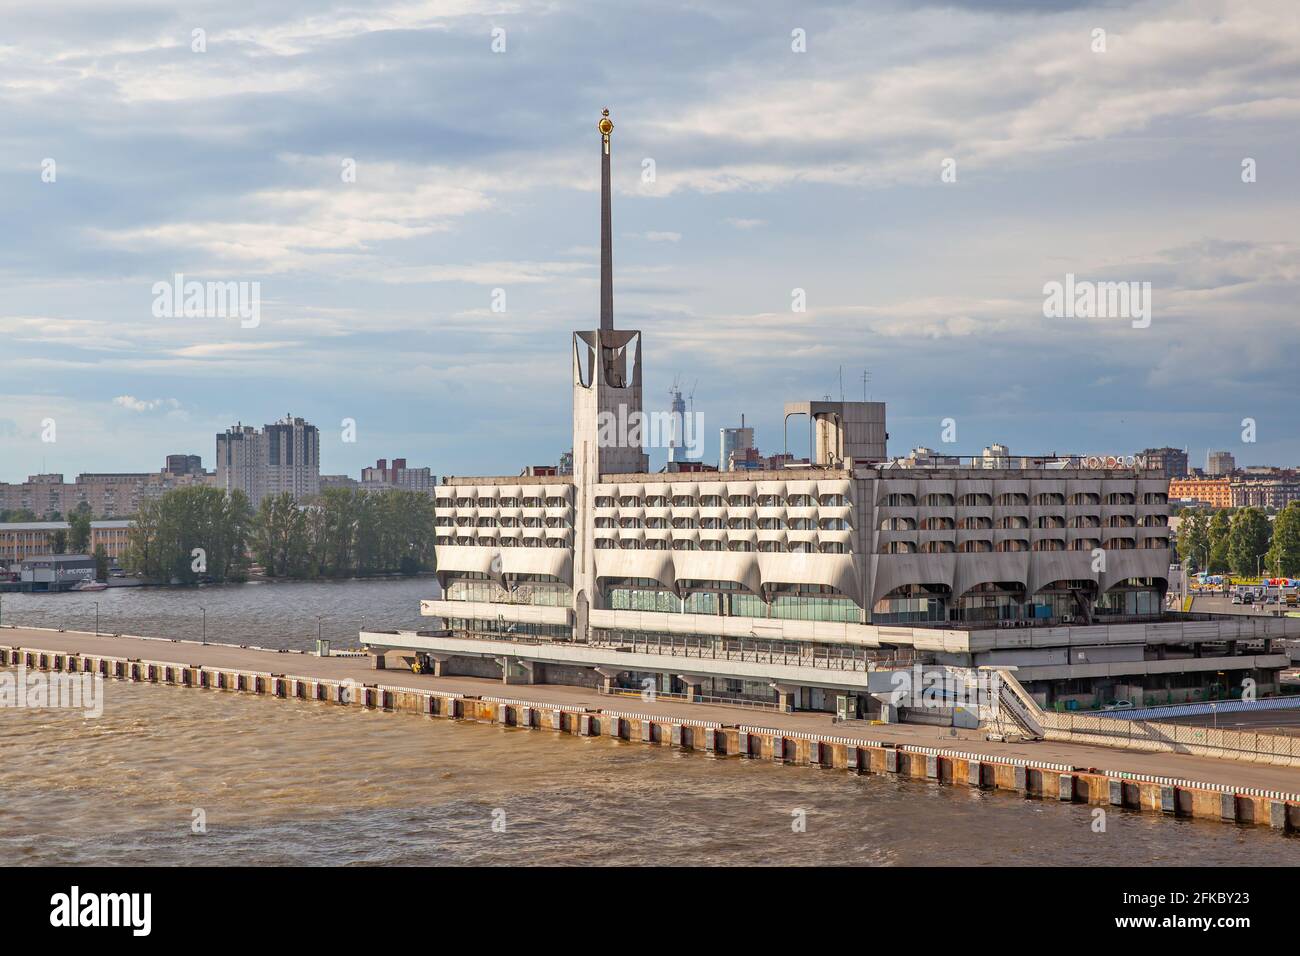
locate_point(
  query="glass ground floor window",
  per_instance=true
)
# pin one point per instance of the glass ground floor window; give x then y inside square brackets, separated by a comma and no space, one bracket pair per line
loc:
[495,627]
[796,606]
[539,589]
[1130,601]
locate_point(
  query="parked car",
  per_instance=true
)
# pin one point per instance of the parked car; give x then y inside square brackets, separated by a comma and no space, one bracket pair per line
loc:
[1119,705]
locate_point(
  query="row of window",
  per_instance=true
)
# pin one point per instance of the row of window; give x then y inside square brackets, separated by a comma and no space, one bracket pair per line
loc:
[1019,544]
[443,521]
[764,547]
[721,501]
[552,501]
[985,523]
[944,500]
[732,524]
[501,542]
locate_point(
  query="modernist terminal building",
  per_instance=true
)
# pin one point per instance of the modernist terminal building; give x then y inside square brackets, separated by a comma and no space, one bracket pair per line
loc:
[793,587]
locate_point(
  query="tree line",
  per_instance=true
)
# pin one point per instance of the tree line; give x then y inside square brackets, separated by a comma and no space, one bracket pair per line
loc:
[1242,541]
[196,534]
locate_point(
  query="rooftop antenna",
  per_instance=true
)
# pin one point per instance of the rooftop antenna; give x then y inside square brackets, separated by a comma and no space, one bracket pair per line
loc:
[841,384]
[606,126]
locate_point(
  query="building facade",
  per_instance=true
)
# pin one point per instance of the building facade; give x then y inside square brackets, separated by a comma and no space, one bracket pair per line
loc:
[1220,463]
[1169,462]
[107,495]
[792,587]
[23,539]
[1215,492]
[397,476]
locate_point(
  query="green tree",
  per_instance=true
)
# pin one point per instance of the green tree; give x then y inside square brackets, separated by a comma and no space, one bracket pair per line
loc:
[280,537]
[79,529]
[1220,525]
[1248,540]
[1284,555]
[1193,539]
[101,563]
[190,533]
[59,542]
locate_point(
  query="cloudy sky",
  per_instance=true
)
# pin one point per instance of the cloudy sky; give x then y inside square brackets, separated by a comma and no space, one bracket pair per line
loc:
[133,149]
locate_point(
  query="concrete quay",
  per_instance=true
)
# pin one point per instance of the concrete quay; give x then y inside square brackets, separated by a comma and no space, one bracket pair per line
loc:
[1170,783]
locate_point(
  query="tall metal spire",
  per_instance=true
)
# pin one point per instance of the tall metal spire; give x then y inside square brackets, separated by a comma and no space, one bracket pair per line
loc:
[606,229]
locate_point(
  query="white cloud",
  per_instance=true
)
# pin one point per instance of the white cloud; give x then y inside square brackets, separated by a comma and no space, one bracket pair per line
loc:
[133,404]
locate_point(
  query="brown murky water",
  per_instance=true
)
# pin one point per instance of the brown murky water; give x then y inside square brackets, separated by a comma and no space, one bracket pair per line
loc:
[311,783]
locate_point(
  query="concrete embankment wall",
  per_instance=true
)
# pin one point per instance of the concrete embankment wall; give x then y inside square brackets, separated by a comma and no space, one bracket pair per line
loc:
[1043,780]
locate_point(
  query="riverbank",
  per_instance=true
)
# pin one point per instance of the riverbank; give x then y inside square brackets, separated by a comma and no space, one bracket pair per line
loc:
[1169,783]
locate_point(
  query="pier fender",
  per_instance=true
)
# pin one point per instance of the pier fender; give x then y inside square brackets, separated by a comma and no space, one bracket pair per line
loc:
[932,766]
[1116,788]
[710,740]
[1228,807]
[1168,800]
[1065,788]
[1277,815]
[975,773]
[503,715]
[676,737]
[614,727]
[557,720]
[814,753]
[778,749]
[1022,780]
[647,732]
[525,717]
[891,760]
[853,758]
[742,743]
[584,725]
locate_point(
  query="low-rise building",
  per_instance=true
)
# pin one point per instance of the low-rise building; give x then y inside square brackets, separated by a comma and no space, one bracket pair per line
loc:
[55,572]
[20,540]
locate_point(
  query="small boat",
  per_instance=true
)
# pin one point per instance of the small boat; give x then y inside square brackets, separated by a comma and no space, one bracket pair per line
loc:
[89,586]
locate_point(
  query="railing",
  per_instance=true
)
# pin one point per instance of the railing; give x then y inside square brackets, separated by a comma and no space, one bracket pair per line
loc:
[698,698]
[1175,738]
[742,651]
[754,652]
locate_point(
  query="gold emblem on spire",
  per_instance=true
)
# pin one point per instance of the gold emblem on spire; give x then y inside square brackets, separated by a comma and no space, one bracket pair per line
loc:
[606,125]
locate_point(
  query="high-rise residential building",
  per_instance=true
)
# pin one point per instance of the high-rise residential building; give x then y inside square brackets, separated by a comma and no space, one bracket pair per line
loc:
[1220,463]
[1170,462]
[283,457]
[734,440]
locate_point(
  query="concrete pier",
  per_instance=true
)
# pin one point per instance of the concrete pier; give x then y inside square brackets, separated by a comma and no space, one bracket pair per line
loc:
[1166,783]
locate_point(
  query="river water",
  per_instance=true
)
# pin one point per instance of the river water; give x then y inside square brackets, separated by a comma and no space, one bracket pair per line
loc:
[259,613]
[303,782]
